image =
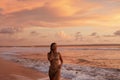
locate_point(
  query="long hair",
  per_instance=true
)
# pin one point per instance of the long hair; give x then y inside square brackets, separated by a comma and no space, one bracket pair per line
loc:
[51,46]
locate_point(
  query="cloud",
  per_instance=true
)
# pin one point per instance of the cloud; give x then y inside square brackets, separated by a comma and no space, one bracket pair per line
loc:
[62,13]
[78,36]
[53,7]
[9,30]
[37,34]
[93,34]
[117,33]
[59,13]
[11,6]
[108,36]
[92,38]
[63,36]
[34,33]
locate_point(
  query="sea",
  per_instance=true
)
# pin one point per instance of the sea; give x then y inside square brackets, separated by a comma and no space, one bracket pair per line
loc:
[72,72]
[75,49]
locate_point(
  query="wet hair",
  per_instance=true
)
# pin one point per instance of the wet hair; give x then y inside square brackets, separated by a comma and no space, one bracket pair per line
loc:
[51,46]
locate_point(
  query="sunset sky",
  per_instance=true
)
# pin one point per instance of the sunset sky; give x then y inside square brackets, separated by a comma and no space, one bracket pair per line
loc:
[40,22]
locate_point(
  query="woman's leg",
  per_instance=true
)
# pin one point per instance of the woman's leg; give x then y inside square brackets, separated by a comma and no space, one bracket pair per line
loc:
[57,75]
[51,74]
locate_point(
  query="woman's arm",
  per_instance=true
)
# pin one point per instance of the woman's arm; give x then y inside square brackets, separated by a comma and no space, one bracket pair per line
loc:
[61,60]
[49,57]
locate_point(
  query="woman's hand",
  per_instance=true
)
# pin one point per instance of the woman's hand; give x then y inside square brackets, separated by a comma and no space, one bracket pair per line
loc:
[60,66]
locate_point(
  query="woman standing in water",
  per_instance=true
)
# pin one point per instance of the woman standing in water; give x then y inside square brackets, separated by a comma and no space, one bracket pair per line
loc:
[56,62]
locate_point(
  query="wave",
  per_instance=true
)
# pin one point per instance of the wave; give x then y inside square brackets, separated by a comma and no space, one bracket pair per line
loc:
[27,50]
[72,72]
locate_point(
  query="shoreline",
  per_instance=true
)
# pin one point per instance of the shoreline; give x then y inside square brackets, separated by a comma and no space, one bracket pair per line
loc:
[12,71]
[71,72]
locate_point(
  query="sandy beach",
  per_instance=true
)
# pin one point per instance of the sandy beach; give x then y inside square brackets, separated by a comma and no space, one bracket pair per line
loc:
[13,71]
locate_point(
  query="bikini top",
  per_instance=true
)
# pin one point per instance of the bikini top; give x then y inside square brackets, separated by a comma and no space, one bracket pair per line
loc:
[55,56]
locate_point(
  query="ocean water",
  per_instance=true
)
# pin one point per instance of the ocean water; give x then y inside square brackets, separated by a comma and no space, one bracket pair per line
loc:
[72,72]
[76,49]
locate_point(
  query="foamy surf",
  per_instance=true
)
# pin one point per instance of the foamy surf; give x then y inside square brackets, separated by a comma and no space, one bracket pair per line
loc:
[72,72]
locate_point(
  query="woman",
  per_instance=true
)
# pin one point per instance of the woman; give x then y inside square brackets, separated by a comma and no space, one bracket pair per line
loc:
[56,62]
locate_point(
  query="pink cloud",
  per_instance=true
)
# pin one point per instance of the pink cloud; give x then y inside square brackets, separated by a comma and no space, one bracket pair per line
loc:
[46,13]
[63,36]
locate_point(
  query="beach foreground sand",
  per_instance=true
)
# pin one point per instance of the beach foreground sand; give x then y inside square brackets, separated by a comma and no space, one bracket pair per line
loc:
[13,71]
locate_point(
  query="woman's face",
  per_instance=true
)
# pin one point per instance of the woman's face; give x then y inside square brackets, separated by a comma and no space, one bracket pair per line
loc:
[54,47]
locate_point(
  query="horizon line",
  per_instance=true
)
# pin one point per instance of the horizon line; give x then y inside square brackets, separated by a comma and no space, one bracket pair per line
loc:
[66,45]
